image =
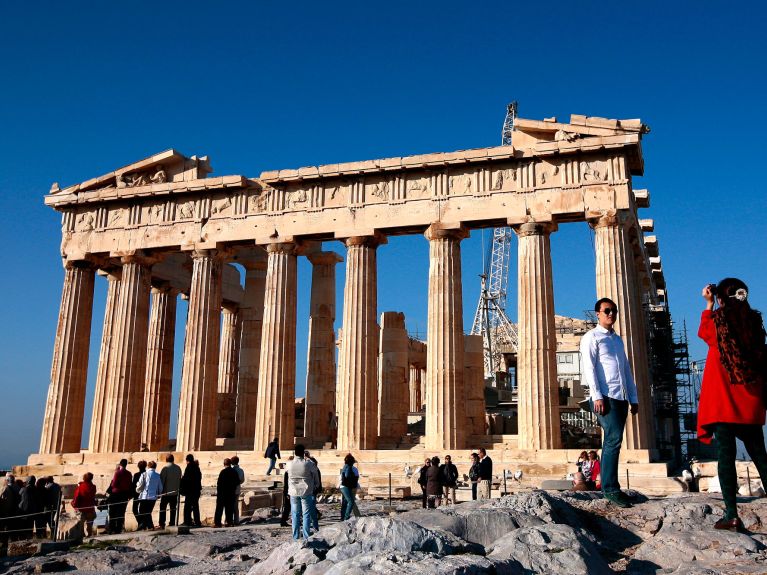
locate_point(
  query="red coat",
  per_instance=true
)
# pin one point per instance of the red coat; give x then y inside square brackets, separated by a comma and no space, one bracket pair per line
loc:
[84,499]
[720,400]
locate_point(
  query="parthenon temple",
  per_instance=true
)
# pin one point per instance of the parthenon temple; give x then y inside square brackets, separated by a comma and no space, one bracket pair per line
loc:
[164,228]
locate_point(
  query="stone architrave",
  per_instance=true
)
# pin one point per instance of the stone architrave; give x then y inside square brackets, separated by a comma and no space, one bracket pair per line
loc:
[414,380]
[251,324]
[445,409]
[100,395]
[159,368]
[615,274]
[538,392]
[321,358]
[121,424]
[275,410]
[394,371]
[228,367]
[357,400]
[199,378]
[474,384]
[65,406]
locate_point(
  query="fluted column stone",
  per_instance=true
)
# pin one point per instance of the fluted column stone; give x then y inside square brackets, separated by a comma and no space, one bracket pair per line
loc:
[538,390]
[228,367]
[321,358]
[100,396]
[445,409]
[159,368]
[414,380]
[357,400]
[394,369]
[121,423]
[474,384]
[199,378]
[251,324]
[615,278]
[65,406]
[275,410]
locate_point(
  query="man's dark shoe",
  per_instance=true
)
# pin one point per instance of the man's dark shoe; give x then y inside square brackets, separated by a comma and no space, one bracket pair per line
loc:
[730,524]
[617,500]
[625,498]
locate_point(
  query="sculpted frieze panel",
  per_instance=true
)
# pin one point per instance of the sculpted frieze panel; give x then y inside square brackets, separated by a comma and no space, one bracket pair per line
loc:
[156,175]
[222,207]
[503,178]
[593,171]
[337,194]
[153,212]
[462,184]
[378,189]
[185,210]
[297,197]
[418,186]
[547,174]
[85,221]
[257,202]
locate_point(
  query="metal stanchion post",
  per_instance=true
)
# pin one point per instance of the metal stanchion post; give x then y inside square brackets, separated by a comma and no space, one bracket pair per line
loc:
[178,505]
[505,490]
[748,478]
[389,491]
[628,483]
[55,528]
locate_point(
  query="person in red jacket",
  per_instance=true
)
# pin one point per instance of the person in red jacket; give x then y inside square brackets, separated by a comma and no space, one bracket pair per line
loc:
[84,502]
[732,393]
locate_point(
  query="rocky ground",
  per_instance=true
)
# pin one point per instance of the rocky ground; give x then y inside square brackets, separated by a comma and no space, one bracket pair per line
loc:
[534,532]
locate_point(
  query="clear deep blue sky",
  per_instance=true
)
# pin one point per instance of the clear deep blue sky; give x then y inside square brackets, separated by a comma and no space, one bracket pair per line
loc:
[87,87]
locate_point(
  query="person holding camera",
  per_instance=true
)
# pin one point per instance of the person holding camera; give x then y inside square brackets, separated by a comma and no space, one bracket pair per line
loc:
[731,401]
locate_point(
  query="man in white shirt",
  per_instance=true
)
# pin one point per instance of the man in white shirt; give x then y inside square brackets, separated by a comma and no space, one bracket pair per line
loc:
[303,478]
[613,392]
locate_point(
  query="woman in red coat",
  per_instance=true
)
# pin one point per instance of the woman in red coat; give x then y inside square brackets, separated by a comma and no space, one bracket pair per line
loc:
[731,398]
[84,501]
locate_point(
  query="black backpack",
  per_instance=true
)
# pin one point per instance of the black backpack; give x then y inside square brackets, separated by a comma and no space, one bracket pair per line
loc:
[349,479]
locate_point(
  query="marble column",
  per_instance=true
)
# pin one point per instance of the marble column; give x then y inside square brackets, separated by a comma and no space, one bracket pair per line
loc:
[251,324]
[65,406]
[321,358]
[121,423]
[100,395]
[615,277]
[445,409]
[228,367]
[357,401]
[159,368]
[199,378]
[474,384]
[538,390]
[275,410]
[394,369]
[415,389]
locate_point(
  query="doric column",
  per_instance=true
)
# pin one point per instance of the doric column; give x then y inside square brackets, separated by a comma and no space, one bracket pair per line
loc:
[251,324]
[121,422]
[199,378]
[357,400]
[474,384]
[64,408]
[321,359]
[445,408]
[615,277]
[394,371]
[415,389]
[100,396]
[275,410]
[538,393]
[159,368]
[228,365]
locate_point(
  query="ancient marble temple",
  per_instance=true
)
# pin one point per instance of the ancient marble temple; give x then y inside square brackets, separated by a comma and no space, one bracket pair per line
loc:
[162,228]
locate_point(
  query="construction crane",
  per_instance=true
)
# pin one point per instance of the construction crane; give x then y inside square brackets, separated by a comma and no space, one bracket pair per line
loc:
[490,319]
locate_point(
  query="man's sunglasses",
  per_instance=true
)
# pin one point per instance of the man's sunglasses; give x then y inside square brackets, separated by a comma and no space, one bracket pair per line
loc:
[610,311]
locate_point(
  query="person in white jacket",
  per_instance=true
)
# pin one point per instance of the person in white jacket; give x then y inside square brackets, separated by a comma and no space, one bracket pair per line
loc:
[303,479]
[149,489]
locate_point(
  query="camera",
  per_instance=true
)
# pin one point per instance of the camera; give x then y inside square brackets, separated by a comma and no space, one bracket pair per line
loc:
[712,288]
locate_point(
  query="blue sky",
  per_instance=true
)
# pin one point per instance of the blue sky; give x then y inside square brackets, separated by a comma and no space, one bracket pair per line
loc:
[87,87]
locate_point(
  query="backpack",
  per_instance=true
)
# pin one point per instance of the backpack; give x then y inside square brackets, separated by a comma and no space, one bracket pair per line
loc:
[349,479]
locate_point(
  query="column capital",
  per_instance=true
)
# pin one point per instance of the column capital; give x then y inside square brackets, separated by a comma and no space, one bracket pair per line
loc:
[136,257]
[220,254]
[79,264]
[438,231]
[608,218]
[163,287]
[535,229]
[372,241]
[324,258]
[282,248]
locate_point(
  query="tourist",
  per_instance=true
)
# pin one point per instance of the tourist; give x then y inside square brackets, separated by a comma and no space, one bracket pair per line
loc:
[592,471]
[120,492]
[149,489]
[434,483]
[485,474]
[9,507]
[30,505]
[303,479]
[317,492]
[84,502]
[136,477]
[226,489]
[349,481]
[272,454]
[52,498]
[449,479]
[612,390]
[286,498]
[41,519]
[238,489]
[191,488]
[732,403]
[474,475]
[579,482]
[171,482]
[422,480]
[582,458]
[333,428]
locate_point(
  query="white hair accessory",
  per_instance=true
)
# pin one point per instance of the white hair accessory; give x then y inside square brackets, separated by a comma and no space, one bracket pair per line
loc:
[741,294]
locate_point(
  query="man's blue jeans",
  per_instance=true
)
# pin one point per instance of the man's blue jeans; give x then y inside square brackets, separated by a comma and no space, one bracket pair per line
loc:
[347,505]
[272,463]
[613,421]
[302,506]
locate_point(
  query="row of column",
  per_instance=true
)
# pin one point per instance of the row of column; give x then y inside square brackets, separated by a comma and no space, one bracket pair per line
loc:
[136,353]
